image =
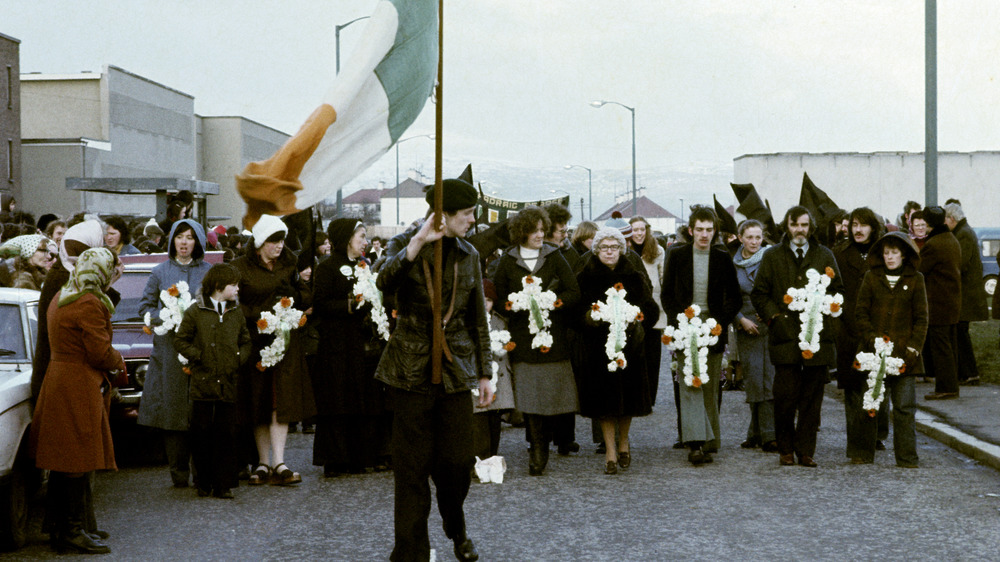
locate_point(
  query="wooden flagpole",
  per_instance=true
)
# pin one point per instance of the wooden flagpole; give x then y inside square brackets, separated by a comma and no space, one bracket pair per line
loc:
[438,338]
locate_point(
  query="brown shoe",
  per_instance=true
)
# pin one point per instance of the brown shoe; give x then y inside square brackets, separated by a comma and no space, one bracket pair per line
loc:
[807,461]
[787,460]
[770,447]
[284,476]
[941,396]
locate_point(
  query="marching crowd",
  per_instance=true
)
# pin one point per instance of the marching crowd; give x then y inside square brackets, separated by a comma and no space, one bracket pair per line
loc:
[337,336]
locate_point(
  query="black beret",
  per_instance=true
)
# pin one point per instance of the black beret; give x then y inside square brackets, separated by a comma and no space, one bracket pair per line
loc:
[458,195]
[934,216]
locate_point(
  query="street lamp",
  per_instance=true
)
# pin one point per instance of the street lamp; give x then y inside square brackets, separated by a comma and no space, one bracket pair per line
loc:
[401,141]
[336,32]
[590,182]
[602,103]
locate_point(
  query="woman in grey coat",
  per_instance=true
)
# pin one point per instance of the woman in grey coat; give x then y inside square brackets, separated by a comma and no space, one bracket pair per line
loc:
[751,340]
[165,396]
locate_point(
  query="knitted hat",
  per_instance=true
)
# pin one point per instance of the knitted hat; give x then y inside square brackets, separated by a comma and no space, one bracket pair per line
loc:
[266,226]
[152,229]
[605,233]
[621,224]
[458,195]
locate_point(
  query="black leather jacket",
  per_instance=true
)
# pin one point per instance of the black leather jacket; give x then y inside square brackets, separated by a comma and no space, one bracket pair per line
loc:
[406,361]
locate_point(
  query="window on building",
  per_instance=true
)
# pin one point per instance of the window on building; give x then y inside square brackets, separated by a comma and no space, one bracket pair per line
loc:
[10,87]
[10,161]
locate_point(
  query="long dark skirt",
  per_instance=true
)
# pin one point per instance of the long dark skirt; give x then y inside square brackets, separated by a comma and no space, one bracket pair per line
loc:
[351,443]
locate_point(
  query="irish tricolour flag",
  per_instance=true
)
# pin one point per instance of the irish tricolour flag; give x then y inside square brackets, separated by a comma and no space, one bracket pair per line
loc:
[380,91]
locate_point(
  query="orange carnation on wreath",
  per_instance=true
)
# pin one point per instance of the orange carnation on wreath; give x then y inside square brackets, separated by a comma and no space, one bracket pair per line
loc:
[286,302]
[689,312]
[261,324]
[829,272]
[172,291]
[807,354]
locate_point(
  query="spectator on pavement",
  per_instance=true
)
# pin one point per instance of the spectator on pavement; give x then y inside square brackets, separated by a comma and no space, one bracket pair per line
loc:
[941,265]
[974,308]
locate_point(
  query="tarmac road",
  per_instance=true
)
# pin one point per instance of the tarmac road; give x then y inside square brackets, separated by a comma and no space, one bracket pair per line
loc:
[744,506]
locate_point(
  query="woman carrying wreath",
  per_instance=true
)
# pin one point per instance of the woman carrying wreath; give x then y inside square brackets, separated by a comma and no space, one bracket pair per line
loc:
[271,397]
[352,427]
[892,303]
[616,397]
[543,377]
[166,403]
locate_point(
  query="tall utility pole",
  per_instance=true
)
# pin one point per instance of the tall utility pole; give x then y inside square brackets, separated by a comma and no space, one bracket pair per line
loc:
[930,101]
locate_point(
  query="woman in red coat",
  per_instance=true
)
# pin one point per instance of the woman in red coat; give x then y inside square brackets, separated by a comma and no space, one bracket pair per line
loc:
[70,432]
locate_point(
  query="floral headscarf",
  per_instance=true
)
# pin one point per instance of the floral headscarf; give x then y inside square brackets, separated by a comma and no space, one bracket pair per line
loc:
[24,246]
[93,272]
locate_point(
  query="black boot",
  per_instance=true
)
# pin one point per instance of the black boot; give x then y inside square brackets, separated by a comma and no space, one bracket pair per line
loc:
[539,451]
[73,537]
[465,549]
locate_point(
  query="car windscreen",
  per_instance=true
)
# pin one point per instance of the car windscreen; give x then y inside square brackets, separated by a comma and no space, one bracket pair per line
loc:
[12,348]
[130,286]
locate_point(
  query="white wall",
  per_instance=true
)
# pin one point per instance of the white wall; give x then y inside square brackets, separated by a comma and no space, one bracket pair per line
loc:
[883,181]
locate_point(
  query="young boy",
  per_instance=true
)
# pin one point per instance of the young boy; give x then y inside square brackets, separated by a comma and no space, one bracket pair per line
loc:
[213,337]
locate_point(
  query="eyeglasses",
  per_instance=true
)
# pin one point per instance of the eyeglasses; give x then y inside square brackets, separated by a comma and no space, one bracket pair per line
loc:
[609,248]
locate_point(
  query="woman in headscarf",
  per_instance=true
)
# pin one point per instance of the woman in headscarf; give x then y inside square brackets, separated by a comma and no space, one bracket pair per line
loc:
[165,394]
[78,238]
[352,427]
[33,257]
[273,397]
[70,430]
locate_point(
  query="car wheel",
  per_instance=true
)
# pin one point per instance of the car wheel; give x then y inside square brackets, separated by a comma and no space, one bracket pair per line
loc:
[991,284]
[14,510]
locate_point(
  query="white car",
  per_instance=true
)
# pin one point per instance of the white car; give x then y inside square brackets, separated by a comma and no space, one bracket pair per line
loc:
[18,476]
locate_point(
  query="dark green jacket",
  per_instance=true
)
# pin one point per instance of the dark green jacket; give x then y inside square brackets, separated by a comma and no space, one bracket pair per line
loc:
[215,347]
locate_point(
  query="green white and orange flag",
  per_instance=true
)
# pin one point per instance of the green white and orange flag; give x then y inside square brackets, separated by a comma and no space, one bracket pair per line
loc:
[380,91]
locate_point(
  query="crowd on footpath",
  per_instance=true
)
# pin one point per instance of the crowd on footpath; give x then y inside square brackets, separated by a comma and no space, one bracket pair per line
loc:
[541,324]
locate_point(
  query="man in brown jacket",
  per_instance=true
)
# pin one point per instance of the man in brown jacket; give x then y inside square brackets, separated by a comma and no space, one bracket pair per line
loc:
[940,262]
[973,291]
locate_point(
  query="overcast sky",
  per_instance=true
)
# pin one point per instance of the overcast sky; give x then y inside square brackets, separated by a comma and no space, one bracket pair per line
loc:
[710,80]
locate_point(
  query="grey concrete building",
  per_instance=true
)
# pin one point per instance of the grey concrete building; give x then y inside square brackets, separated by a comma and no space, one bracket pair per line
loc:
[10,116]
[118,125]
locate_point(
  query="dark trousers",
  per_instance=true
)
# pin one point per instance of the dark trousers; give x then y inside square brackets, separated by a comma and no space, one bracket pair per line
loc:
[486,433]
[178,456]
[563,428]
[431,438]
[213,444]
[967,367]
[940,360]
[797,390]
[653,348]
[863,429]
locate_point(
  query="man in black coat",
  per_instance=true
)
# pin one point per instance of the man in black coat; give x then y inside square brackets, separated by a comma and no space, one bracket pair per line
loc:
[799,375]
[703,274]
[974,307]
[432,413]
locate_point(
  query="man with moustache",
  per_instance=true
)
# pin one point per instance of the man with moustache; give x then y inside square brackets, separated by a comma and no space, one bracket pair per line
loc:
[798,382]
[701,274]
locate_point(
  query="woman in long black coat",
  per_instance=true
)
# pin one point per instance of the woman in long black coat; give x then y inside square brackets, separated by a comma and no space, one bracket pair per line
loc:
[352,426]
[271,398]
[614,397]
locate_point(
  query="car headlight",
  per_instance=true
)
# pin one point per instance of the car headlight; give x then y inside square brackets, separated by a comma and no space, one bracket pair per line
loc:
[140,374]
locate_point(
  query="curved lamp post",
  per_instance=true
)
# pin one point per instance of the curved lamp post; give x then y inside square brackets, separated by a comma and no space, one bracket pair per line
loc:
[401,141]
[602,103]
[590,188]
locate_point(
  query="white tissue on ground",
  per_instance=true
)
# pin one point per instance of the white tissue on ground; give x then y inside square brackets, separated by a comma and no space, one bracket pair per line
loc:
[491,469]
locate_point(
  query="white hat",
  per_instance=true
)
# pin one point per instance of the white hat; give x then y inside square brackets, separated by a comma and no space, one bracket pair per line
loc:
[266,226]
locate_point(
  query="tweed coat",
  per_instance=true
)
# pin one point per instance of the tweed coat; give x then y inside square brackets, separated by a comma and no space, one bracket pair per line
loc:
[70,430]
[941,263]
[974,306]
[899,313]
[779,271]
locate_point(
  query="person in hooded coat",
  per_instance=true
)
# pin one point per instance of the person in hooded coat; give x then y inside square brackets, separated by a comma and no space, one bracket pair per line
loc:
[352,426]
[891,303]
[165,395]
[864,228]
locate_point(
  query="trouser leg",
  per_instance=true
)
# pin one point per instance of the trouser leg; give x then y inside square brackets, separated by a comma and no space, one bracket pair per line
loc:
[412,452]
[940,348]
[713,400]
[904,407]
[453,459]
[810,404]
[967,367]
[201,443]
[765,420]
[677,406]
[178,456]
[785,390]
[861,427]
[882,420]
[563,428]
[654,351]
[753,429]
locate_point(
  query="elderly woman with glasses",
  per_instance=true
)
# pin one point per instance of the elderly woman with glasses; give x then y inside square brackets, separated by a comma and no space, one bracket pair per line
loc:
[615,397]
